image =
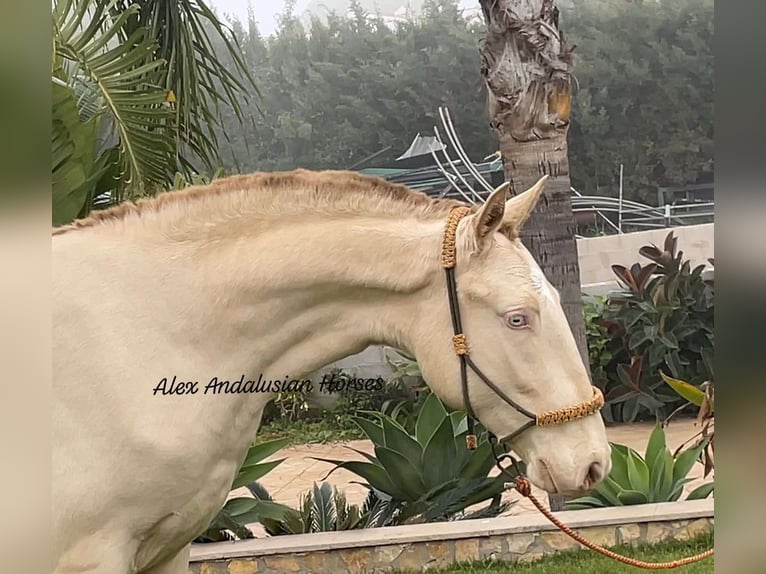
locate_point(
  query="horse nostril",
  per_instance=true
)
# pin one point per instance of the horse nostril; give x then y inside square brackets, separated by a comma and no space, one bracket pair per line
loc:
[594,475]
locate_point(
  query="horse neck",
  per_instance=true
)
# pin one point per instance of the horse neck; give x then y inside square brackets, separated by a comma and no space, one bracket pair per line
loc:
[299,294]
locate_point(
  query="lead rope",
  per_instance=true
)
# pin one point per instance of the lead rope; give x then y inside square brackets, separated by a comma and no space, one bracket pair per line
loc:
[524,488]
[460,346]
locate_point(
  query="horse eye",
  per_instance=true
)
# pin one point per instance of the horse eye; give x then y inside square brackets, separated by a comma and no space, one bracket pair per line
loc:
[517,321]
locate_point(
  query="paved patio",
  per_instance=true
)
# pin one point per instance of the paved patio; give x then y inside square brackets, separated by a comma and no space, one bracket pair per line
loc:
[300,470]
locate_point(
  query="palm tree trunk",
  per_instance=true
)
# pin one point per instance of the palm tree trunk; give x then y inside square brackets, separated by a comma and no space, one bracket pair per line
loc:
[527,69]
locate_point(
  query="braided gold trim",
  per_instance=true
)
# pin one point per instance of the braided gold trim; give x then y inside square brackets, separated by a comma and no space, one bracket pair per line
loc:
[460,344]
[573,413]
[449,249]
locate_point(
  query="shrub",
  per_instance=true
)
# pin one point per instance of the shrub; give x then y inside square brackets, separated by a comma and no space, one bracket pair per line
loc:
[659,476]
[428,475]
[599,355]
[322,509]
[333,428]
[293,407]
[662,319]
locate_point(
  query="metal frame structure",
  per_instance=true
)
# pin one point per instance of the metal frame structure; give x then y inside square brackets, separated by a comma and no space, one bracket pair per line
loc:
[459,172]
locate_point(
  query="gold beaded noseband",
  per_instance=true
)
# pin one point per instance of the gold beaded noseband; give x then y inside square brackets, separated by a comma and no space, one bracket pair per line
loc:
[460,345]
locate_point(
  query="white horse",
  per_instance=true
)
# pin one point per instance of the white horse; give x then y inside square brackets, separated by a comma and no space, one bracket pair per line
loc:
[278,275]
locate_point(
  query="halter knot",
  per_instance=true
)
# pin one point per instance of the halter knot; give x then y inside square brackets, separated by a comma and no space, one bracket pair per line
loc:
[460,344]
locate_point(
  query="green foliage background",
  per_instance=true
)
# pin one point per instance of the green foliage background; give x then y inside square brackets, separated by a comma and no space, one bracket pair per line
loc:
[341,89]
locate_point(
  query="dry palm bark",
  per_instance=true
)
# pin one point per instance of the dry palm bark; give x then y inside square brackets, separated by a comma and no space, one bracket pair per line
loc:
[527,67]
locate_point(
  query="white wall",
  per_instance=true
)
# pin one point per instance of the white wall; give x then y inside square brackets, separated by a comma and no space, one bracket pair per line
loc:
[598,254]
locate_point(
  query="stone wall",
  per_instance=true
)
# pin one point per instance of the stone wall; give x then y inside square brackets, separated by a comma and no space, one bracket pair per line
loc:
[417,547]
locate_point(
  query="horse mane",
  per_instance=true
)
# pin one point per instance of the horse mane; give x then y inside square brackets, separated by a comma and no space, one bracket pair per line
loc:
[276,193]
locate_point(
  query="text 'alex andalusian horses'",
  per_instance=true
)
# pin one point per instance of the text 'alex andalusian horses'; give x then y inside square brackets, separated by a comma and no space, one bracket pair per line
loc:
[272,275]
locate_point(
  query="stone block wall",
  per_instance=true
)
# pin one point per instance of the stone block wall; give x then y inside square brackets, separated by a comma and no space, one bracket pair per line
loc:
[421,547]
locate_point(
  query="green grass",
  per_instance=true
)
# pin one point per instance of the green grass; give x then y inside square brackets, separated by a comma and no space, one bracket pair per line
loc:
[588,562]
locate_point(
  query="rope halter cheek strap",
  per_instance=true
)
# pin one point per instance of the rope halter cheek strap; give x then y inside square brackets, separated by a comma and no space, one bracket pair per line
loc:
[461,348]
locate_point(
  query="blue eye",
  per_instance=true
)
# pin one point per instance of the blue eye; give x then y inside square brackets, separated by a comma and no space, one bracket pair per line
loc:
[516,321]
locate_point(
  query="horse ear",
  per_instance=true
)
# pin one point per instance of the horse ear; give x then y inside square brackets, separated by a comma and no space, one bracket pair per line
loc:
[519,208]
[490,217]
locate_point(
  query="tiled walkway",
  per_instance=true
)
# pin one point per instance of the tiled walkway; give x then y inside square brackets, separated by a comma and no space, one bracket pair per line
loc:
[300,470]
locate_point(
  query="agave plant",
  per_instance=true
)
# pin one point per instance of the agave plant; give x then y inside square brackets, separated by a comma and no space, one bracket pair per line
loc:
[428,475]
[659,476]
[237,513]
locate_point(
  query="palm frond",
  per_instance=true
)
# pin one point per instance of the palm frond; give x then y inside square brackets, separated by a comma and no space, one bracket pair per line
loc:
[493,509]
[86,36]
[75,169]
[378,510]
[453,500]
[207,72]
[323,516]
[223,522]
[344,514]
[259,491]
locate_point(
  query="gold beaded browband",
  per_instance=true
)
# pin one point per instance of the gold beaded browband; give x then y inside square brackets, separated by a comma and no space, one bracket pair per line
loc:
[460,345]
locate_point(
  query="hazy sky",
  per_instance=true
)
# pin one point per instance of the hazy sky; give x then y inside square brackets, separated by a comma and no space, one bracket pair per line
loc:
[266,10]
